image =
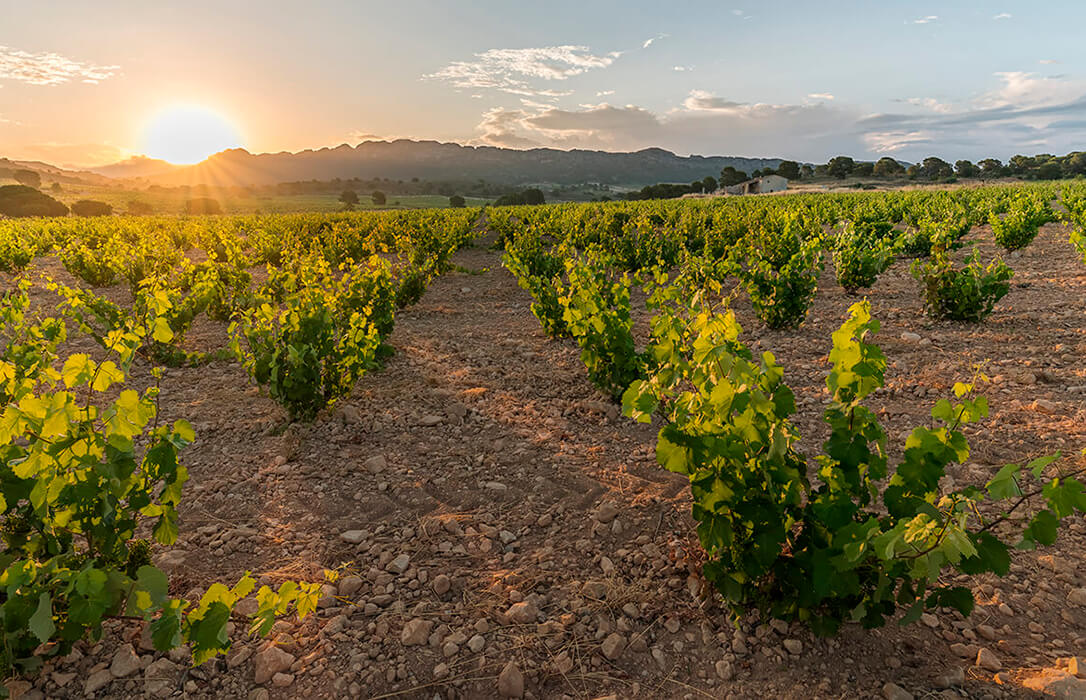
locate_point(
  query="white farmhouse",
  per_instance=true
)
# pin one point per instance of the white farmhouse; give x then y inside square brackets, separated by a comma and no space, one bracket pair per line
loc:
[759,185]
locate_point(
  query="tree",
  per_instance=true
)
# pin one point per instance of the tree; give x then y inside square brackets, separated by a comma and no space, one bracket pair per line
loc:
[21,200]
[378,198]
[863,169]
[788,169]
[731,176]
[534,195]
[934,168]
[697,186]
[708,184]
[1049,171]
[29,178]
[349,199]
[138,208]
[457,202]
[840,167]
[806,171]
[203,205]
[90,207]
[991,167]
[888,167]
[965,168]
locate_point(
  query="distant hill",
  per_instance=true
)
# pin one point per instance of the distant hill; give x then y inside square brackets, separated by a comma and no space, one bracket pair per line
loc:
[430,160]
[50,173]
[135,167]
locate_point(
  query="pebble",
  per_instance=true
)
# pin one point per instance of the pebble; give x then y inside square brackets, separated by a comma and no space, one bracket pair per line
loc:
[893,691]
[441,584]
[96,682]
[416,632]
[794,646]
[511,681]
[724,670]
[270,661]
[353,536]
[1077,596]
[376,464]
[399,564]
[522,613]
[910,337]
[987,659]
[606,512]
[125,662]
[613,646]
[476,643]
[952,678]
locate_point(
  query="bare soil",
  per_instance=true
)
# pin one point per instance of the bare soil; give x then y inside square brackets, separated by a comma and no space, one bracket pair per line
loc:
[482,452]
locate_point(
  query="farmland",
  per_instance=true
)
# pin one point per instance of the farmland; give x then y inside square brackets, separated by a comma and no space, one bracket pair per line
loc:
[481,451]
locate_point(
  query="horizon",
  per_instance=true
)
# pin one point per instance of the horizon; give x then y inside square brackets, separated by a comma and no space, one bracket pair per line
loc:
[976,80]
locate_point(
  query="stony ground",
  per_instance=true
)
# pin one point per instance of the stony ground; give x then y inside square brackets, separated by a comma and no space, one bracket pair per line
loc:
[500,530]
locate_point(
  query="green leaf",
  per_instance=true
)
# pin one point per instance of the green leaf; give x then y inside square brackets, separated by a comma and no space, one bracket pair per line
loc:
[41,622]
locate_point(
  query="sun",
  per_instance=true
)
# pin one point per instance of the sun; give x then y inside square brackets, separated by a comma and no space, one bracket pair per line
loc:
[187,134]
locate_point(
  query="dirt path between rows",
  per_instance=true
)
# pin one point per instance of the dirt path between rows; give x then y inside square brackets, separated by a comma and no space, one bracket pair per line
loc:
[496,516]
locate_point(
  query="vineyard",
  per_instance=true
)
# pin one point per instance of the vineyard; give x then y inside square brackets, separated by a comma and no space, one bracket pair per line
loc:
[683,448]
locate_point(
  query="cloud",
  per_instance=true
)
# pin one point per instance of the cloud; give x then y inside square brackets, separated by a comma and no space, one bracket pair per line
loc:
[682,69]
[649,42]
[1024,113]
[358,136]
[1048,61]
[49,68]
[512,70]
[821,96]
[926,20]
[1020,113]
[1003,15]
[705,123]
[605,93]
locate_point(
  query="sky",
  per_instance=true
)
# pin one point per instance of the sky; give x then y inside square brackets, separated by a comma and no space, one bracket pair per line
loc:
[84,84]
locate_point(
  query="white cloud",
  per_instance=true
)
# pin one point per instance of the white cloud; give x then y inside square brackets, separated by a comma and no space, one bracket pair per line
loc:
[1048,61]
[930,103]
[649,42]
[821,96]
[605,93]
[926,20]
[1003,15]
[682,69]
[511,70]
[49,68]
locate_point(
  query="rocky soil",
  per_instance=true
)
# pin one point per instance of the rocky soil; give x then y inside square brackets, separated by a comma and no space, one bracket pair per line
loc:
[500,530]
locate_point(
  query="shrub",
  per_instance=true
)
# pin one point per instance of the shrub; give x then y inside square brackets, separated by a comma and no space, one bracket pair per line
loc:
[597,313]
[782,294]
[310,351]
[21,200]
[70,517]
[138,208]
[457,202]
[202,206]
[860,257]
[965,294]
[90,207]
[853,546]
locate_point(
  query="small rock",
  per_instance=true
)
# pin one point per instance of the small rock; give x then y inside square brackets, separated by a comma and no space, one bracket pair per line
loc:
[441,584]
[1077,596]
[399,564]
[606,512]
[376,464]
[987,659]
[613,646]
[893,691]
[794,646]
[476,643]
[161,679]
[1056,683]
[270,661]
[416,632]
[441,671]
[910,337]
[522,613]
[125,662]
[951,678]
[282,680]
[511,681]
[724,670]
[432,420]
[96,682]
[1045,406]
[353,536]
[495,486]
